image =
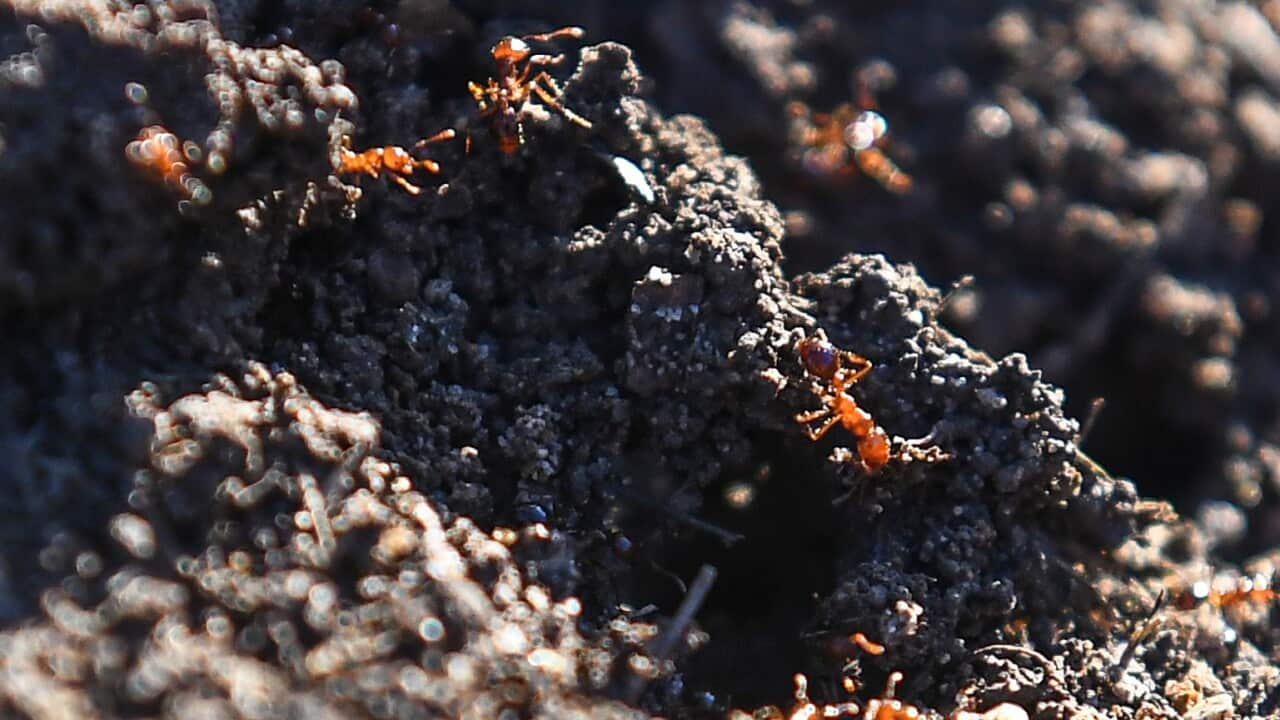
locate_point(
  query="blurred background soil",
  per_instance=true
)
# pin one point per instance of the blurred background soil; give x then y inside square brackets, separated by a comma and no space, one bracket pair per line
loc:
[245,403]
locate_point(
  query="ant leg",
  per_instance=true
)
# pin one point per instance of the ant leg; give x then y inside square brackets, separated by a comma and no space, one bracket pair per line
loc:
[408,186]
[856,359]
[432,166]
[550,83]
[536,61]
[446,134]
[866,98]
[808,417]
[551,101]
[877,166]
[816,435]
[480,95]
[545,59]
[565,32]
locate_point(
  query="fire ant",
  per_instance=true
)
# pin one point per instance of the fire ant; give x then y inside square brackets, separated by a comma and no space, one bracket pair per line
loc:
[504,97]
[885,707]
[1254,591]
[392,158]
[837,143]
[840,369]
[162,154]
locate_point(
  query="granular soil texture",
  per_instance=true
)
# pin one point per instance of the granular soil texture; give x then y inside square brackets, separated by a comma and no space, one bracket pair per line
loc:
[280,443]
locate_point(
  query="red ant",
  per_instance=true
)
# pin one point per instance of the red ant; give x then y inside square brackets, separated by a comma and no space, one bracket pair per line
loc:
[1255,591]
[885,707]
[888,707]
[392,158]
[837,143]
[840,369]
[504,97]
[162,154]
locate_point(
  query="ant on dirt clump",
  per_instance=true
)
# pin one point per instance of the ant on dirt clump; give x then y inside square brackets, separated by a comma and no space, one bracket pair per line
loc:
[395,160]
[833,371]
[845,140]
[504,97]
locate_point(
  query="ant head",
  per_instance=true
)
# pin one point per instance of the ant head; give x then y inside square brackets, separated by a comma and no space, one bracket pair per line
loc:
[511,49]
[819,357]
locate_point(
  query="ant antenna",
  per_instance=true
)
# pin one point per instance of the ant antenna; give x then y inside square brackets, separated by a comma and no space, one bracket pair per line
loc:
[1095,409]
[964,283]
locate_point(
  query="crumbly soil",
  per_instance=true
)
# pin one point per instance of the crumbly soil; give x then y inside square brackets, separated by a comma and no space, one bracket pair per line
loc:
[279,443]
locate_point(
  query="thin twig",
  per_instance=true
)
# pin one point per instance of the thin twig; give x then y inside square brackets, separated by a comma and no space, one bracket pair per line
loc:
[1139,635]
[1051,674]
[674,632]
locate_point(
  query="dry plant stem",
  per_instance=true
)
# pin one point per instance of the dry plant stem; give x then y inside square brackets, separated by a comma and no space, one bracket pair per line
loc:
[1140,634]
[675,630]
[1051,673]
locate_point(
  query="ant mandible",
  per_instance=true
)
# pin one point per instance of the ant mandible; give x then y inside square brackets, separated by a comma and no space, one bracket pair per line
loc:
[505,96]
[834,371]
[392,158]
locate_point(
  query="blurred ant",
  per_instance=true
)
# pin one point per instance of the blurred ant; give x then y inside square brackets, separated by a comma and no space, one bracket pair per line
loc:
[161,153]
[505,96]
[884,707]
[392,158]
[834,371]
[1254,591]
[844,140]
[889,707]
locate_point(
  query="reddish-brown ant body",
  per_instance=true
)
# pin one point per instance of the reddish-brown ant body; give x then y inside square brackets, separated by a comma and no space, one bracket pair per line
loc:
[395,160]
[1255,590]
[504,97]
[885,707]
[161,154]
[844,140]
[834,372]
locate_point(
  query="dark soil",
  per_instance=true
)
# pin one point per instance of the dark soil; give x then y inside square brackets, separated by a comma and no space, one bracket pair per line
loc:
[278,443]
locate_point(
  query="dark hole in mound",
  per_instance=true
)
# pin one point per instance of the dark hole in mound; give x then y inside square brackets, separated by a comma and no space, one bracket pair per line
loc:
[603,203]
[1133,439]
[767,585]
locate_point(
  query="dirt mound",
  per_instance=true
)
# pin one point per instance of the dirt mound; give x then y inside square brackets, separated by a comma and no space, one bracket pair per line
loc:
[288,442]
